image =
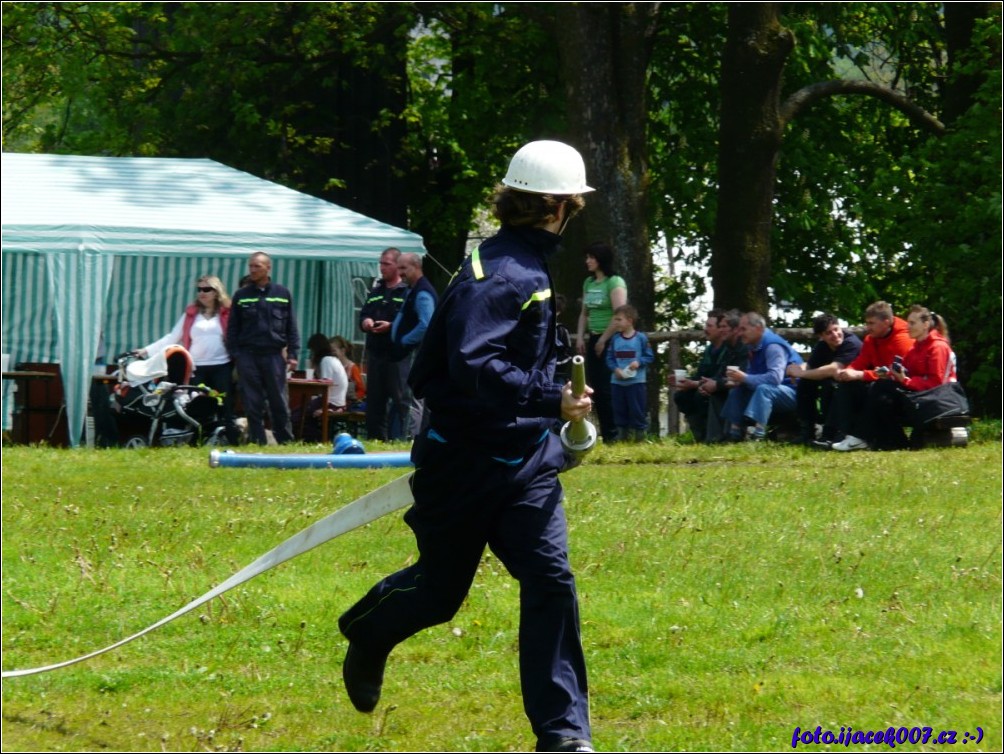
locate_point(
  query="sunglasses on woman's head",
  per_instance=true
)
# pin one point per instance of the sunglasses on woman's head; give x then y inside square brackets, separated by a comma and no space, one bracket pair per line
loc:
[201,289]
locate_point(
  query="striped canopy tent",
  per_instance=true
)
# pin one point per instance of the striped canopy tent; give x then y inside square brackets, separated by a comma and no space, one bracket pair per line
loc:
[112,246]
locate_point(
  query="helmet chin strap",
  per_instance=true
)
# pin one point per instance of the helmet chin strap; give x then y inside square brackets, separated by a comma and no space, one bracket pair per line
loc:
[565,219]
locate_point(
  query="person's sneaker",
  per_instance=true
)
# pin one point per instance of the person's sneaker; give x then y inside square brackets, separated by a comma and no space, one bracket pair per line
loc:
[850,443]
[757,434]
[565,744]
[362,673]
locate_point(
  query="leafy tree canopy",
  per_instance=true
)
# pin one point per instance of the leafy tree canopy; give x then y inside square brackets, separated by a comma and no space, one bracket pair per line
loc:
[408,112]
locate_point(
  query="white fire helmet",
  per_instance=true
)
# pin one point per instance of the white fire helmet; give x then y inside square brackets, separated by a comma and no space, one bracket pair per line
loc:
[547,167]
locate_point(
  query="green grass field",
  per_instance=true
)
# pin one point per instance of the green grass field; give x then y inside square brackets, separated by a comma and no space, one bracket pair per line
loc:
[729,595]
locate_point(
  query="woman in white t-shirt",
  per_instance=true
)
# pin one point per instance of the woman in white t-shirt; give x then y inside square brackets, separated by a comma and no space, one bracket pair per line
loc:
[202,331]
[326,367]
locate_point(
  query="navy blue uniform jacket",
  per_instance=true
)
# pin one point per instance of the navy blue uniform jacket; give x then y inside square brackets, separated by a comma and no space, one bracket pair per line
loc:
[486,366]
[263,321]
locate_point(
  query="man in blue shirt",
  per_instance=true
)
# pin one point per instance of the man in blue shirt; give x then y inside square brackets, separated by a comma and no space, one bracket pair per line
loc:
[765,386]
[410,324]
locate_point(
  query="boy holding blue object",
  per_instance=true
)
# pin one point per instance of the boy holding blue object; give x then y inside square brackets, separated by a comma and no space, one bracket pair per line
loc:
[628,355]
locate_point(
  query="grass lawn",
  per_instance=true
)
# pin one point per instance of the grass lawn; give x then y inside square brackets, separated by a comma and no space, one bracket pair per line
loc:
[729,595]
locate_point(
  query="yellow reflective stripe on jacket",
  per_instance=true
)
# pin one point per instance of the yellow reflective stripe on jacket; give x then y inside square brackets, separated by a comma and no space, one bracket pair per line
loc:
[543,295]
[479,274]
[269,299]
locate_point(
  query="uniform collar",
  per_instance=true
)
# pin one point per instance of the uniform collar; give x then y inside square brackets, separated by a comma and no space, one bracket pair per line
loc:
[542,241]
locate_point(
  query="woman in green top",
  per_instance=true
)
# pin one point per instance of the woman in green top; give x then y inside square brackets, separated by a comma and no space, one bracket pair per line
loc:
[602,292]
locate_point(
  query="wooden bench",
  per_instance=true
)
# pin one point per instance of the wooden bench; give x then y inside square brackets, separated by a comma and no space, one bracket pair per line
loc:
[348,420]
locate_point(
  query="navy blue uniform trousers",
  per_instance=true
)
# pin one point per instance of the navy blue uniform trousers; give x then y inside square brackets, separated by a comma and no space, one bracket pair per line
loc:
[386,380]
[465,500]
[263,377]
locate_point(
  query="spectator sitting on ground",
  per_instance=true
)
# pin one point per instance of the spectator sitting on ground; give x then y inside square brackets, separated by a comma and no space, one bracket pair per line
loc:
[696,404]
[764,388]
[342,350]
[887,338]
[836,349]
[928,364]
[717,388]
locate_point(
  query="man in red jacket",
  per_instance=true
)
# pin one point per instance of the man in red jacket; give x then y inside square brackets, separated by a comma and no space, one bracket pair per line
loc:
[887,338]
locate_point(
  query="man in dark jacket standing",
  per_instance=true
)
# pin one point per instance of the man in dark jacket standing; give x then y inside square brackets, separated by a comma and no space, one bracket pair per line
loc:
[487,466]
[386,379]
[263,340]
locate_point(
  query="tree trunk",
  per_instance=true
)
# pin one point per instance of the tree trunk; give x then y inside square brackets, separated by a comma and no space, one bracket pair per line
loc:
[365,157]
[604,50]
[960,23]
[750,130]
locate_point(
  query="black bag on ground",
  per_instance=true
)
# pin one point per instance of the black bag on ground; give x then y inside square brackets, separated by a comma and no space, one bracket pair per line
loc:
[925,406]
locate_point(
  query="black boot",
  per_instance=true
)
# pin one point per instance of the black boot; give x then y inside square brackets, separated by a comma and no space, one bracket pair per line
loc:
[362,673]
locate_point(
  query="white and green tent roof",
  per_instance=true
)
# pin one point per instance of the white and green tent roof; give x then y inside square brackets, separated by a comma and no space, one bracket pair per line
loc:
[113,245]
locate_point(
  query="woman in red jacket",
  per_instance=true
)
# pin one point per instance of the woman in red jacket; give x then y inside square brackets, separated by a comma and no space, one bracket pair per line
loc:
[928,364]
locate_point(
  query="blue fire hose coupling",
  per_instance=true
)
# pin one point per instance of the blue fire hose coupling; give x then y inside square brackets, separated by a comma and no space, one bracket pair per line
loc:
[579,436]
[346,444]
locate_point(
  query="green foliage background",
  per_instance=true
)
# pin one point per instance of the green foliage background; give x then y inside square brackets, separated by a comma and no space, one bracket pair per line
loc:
[405,111]
[728,595]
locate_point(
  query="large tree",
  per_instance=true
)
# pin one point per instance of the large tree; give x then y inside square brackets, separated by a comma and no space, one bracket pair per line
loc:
[605,49]
[751,130]
[749,138]
[710,129]
[943,208]
[307,94]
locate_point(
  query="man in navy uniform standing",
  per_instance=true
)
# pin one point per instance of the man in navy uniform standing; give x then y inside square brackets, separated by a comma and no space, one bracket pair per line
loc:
[487,465]
[263,340]
[386,379]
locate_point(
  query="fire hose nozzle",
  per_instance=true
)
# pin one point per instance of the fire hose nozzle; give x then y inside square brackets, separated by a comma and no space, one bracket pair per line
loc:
[578,437]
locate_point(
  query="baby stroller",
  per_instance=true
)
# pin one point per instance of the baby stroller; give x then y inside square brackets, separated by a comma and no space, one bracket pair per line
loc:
[153,396]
